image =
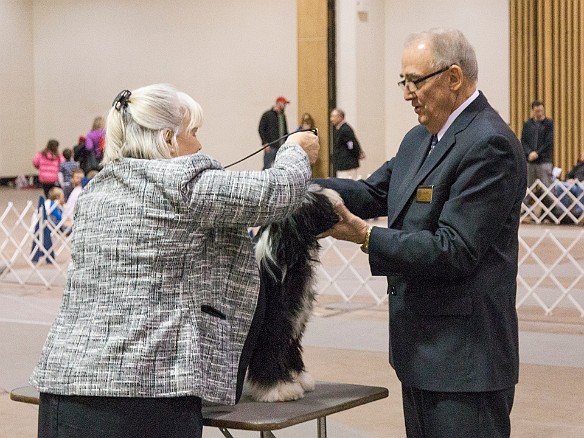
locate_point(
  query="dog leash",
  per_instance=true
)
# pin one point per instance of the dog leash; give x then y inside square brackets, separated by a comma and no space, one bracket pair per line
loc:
[313,130]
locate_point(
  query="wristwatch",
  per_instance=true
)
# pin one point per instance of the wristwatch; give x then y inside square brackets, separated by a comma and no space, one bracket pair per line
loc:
[365,246]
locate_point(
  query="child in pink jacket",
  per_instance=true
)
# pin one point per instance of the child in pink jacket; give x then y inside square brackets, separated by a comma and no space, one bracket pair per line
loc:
[47,162]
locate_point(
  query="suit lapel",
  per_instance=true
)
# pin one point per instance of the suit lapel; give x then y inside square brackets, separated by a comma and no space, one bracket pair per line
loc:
[418,157]
[413,179]
[407,166]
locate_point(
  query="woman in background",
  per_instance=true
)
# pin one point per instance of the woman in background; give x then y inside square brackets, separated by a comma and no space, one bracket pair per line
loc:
[163,284]
[94,145]
[306,122]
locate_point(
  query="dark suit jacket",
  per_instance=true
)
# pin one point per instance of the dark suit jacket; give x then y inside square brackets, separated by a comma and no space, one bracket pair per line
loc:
[346,148]
[268,128]
[539,137]
[451,262]
[269,131]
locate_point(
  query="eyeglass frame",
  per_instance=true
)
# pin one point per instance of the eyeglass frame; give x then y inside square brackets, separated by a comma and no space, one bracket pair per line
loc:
[402,84]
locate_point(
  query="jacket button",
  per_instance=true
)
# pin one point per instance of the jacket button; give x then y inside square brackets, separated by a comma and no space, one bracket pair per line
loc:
[393,290]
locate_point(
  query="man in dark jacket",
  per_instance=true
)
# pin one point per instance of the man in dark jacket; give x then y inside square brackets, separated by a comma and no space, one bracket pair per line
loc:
[452,196]
[346,149]
[273,126]
[537,138]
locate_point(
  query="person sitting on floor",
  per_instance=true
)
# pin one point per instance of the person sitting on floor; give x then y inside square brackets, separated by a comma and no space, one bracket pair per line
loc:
[577,173]
[574,184]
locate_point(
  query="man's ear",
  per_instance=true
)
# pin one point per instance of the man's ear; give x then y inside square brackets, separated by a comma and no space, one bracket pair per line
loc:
[455,77]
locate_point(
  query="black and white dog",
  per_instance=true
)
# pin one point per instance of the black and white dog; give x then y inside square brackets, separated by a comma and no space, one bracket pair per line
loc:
[287,253]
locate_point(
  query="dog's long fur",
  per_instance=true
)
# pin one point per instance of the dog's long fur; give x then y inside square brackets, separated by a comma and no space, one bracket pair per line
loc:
[287,252]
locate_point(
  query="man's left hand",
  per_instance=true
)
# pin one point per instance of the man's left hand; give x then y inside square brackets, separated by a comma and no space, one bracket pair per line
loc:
[350,228]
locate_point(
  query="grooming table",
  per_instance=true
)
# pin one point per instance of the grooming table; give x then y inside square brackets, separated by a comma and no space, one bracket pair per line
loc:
[326,399]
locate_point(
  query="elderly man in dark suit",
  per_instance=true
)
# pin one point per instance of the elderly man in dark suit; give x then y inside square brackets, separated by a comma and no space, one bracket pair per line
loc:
[452,195]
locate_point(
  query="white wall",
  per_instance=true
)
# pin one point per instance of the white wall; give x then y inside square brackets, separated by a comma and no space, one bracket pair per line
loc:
[485,24]
[232,58]
[360,64]
[65,60]
[17,140]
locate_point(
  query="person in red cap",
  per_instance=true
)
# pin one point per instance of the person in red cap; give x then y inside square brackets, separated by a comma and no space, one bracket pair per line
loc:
[273,127]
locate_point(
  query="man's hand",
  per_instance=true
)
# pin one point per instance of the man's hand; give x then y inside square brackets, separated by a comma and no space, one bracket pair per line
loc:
[350,228]
[532,156]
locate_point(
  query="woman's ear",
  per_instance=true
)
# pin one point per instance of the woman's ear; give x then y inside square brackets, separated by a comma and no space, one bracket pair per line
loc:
[169,139]
[168,136]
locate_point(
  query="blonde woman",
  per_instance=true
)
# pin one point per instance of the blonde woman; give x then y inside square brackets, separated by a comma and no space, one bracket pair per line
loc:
[163,285]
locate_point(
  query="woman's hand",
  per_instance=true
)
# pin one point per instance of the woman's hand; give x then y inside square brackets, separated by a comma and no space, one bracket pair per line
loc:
[307,141]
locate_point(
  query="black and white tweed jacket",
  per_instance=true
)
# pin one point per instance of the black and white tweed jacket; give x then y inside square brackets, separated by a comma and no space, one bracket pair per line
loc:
[163,283]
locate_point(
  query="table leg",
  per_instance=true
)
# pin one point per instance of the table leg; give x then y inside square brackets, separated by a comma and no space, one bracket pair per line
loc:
[321,426]
[225,432]
[267,434]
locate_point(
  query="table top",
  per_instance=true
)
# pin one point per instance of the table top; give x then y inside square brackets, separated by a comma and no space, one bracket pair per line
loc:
[327,398]
[26,394]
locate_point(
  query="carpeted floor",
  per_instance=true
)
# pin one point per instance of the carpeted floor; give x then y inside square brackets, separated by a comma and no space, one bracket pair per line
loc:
[343,344]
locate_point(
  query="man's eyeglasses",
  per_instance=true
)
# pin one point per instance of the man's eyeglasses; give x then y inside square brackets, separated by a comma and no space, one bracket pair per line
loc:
[413,85]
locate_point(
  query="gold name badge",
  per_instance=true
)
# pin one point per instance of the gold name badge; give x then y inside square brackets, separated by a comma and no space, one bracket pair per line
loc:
[424,194]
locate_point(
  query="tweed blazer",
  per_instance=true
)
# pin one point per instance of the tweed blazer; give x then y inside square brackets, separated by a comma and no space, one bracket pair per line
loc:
[163,284]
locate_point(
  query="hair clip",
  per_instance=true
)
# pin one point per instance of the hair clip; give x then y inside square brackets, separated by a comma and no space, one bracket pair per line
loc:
[121,100]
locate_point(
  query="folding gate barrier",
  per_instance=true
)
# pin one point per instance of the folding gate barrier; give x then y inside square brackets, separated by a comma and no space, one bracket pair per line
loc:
[551,261]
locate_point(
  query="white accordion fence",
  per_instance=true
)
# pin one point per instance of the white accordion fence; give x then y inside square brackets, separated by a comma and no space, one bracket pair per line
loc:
[33,249]
[36,251]
[561,202]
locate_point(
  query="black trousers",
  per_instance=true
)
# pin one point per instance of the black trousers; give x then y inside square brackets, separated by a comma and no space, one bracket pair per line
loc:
[431,414]
[119,417]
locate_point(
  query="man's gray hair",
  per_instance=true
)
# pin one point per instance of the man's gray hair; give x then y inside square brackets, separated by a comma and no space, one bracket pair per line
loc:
[449,46]
[340,112]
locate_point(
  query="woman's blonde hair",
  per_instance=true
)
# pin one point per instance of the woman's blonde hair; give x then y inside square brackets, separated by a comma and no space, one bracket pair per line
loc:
[193,110]
[138,125]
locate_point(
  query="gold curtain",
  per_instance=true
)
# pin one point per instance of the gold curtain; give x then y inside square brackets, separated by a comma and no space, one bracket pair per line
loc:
[313,62]
[547,52]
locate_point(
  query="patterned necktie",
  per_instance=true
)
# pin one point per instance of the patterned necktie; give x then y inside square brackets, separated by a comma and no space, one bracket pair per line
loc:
[433,143]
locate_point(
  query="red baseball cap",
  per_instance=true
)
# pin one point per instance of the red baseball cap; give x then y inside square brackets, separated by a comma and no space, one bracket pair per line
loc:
[282,99]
